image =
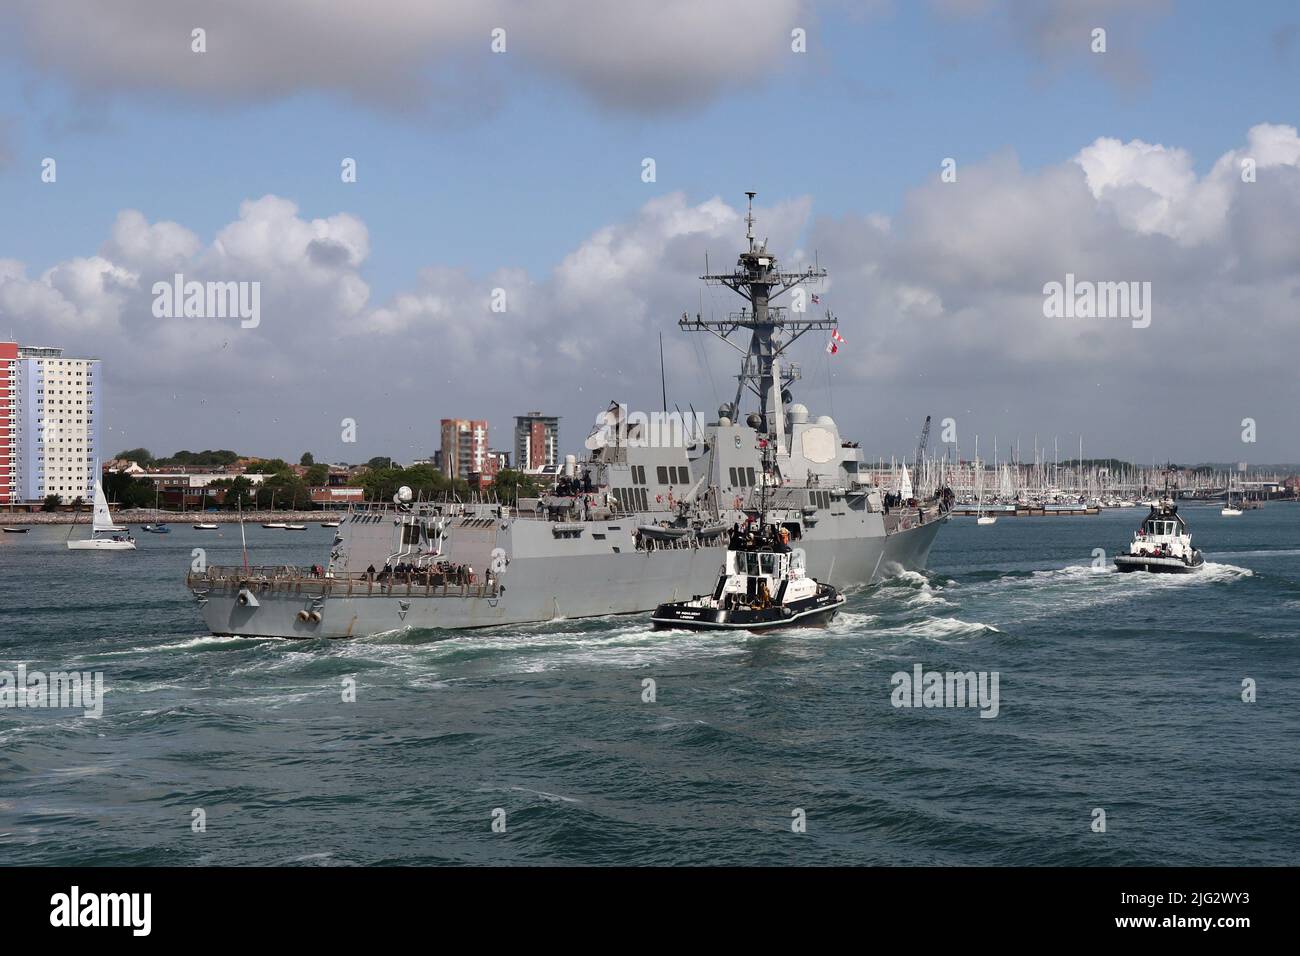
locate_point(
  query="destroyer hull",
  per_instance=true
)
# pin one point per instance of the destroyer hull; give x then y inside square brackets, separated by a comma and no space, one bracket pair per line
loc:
[539,589]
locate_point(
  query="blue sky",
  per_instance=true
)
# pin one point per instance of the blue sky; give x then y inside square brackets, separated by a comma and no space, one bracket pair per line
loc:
[537,167]
[526,183]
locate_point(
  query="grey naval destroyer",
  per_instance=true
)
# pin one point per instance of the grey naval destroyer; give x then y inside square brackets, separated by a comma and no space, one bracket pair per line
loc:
[643,519]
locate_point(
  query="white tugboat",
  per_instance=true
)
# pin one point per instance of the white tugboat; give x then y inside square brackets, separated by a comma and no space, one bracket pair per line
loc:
[764,583]
[763,586]
[1162,544]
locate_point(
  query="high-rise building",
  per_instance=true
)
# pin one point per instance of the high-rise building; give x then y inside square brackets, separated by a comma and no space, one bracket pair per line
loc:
[53,404]
[464,447]
[537,441]
[8,431]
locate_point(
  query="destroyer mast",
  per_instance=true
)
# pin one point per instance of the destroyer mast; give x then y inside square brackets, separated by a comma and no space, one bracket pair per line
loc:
[773,329]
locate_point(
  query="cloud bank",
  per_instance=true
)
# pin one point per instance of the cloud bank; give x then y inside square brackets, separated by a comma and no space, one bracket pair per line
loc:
[941,307]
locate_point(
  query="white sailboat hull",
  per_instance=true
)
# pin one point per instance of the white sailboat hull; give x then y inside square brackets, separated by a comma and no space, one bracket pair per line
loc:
[101,544]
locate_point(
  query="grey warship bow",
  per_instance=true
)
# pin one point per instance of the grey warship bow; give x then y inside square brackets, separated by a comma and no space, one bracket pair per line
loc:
[643,519]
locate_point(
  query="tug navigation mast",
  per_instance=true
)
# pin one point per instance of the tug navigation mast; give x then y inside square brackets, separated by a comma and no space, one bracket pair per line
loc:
[773,329]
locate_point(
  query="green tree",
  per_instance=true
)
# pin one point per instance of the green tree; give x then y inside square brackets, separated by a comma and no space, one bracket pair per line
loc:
[199,459]
[317,475]
[127,490]
[307,459]
[379,463]
[423,480]
[141,456]
[511,485]
[51,503]
[286,489]
[269,466]
[235,489]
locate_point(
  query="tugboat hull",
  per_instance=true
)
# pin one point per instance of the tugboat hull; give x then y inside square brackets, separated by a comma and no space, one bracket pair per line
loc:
[1128,562]
[817,610]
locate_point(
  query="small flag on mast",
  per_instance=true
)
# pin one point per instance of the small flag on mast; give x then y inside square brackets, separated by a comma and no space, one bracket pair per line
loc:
[833,345]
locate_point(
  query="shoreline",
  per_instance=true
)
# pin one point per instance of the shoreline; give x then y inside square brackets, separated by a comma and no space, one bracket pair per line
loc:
[146,516]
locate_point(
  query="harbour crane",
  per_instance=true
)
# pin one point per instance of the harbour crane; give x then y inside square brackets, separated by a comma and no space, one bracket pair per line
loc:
[921,446]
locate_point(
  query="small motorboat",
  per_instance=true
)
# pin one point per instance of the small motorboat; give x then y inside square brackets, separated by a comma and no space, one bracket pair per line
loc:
[330,524]
[156,528]
[295,527]
[204,526]
[16,530]
[280,525]
[1162,544]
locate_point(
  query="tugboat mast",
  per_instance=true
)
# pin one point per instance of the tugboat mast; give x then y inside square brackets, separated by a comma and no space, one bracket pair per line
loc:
[772,328]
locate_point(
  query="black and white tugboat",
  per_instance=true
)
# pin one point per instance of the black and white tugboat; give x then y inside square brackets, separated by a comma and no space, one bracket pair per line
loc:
[762,585]
[1162,544]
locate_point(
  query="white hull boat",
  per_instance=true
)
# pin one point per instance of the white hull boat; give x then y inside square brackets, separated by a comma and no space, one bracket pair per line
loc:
[104,534]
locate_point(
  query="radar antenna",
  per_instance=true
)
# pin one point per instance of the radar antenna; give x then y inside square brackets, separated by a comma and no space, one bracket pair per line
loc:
[773,329]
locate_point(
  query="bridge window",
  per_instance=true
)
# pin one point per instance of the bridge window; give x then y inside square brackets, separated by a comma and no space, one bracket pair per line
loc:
[662,473]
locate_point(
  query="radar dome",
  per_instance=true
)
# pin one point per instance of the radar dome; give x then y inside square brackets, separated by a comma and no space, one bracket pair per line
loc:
[826,421]
[754,421]
[403,494]
[798,413]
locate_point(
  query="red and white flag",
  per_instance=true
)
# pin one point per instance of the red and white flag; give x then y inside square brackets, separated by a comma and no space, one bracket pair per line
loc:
[836,341]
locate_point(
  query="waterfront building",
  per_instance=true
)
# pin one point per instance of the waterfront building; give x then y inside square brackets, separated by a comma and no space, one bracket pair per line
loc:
[49,424]
[537,441]
[464,447]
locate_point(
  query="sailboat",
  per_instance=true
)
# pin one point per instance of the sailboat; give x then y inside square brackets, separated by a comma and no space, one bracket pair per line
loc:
[980,516]
[1228,510]
[104,534]
[158,527]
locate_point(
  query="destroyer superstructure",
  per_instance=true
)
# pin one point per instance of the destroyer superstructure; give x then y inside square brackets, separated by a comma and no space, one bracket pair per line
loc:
[640,520]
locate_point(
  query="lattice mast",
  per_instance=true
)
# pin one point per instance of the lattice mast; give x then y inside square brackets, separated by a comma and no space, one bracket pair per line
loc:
[773,329]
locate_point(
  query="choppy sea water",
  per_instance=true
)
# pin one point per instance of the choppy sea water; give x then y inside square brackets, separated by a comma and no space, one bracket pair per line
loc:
[1119,692]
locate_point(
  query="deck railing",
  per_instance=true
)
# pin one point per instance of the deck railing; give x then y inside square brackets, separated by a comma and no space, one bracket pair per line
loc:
[282,579]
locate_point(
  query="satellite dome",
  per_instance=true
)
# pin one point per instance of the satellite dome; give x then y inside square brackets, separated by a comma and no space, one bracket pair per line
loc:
[404,494]
[826,421]
[754,421]
[798,413]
